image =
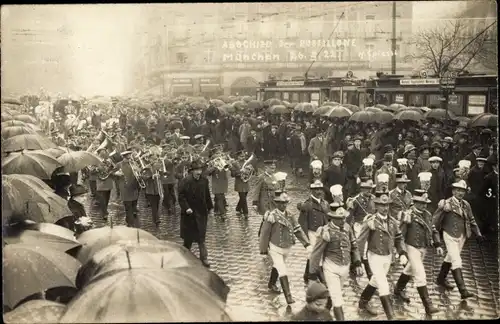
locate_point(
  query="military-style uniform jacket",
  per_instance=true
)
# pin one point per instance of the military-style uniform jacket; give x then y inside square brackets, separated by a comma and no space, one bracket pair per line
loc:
[181,169]
[384,237]
[313,214]
[262,194]
[401,201]
[280,228]
[362,206]
[169,177]
[151,186]
[337,244]
[239,185]
[105,185]
[220,181]
[417,229]
[457,222]
[129,188]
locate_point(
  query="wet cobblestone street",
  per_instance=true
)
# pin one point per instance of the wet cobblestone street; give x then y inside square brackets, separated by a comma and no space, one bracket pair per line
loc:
[233,253]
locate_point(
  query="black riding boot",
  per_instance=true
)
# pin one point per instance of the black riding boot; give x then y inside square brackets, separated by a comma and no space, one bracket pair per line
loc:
[365,298]
[441,279]
[459,279]
[285,285]
[306,273]
[273,279]
[426,301]
[338,312]
[368,270]
[400,287]
[386,304]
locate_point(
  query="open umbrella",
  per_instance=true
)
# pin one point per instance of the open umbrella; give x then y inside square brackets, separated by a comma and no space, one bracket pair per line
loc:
[144,254]
[395,107]
[337,112]
[217,102]
[12,123]
[272,102]
[25,118]
[373,109]
[75,161]
[49,236]
[439,114]
[321,110]
[462,119]
[383,117]
[99,238]
[38,164]
[9,207]
[12,101]
[34,127]
[9,132]
[35,311]
[352,108]
[199,105]
[380,106]
[408,115]
[484,120]
[255,105]
[330,103]
[223,98]
[27,142]
[30,269]
[278,110]
[161,295]
[247,98]
[365,117]
[54,151]
[304,107]
[240,105]
[6,117]
[228,108]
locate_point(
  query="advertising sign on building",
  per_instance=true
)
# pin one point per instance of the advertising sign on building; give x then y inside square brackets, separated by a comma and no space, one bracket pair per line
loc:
[419,81]
[210,81]
[182,82]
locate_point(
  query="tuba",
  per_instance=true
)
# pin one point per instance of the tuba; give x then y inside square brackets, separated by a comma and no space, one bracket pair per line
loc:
[136,172]
[247,169]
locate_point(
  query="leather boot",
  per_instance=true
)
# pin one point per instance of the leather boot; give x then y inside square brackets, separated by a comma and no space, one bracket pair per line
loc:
[400,287]
[273,279]
[386,304]
[321,276]
[441,279]
[306,273]
[426,301]
[459,279]
[338,312]
[368,270]
[365,298]
[285,285]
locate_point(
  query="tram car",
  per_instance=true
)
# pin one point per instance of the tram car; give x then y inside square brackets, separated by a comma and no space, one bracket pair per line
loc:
[472,94]
[315,90]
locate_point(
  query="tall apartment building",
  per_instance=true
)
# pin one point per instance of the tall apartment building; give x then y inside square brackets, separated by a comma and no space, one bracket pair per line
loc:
[35,50]
[210,49]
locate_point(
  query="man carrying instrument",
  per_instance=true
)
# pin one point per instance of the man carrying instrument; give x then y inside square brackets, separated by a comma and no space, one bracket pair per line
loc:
[129,189]
[241,185]
[262,193]
[104,183]
[153,190]
[185,146]
[220,182]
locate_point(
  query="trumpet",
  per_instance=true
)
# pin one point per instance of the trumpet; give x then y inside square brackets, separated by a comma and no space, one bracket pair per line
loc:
[205,147]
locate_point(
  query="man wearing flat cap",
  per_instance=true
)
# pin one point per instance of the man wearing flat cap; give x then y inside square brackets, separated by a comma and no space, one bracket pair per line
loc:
[476,152]
[195,202]
[335,174]
[388,169]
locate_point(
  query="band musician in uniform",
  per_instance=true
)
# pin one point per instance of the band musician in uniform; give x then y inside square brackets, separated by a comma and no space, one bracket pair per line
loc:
[153,191]
[129,190]
[240,186]
[335,251]
[277,237]
[313,215]
[418,235]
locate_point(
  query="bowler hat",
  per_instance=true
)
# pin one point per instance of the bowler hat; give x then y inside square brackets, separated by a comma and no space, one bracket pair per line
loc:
[77,190]
[196,164]
[492,159]
[387,157]
[402,178]
[388,148]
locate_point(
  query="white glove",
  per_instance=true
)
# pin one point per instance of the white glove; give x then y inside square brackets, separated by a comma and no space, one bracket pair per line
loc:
[371,224]
[189,211]
[403,260]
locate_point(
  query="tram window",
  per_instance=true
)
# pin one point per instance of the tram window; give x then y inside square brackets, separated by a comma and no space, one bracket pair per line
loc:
[295,97]
[286,95]
[361,100]
[315,96]
[349,97]
[456,106]
[277,95]
[382,98]
[416,100]
[335,95]
[269,95]
[398,98]
[304,97]
[476,104]
[433,101]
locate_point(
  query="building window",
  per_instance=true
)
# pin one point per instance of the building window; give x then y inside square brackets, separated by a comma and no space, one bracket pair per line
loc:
[241,25]
[209,55]
[339,52]
[181,57]
[370,25]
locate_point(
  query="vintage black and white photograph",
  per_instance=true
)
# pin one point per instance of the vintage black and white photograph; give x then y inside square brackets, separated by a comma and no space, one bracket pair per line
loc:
[251,161]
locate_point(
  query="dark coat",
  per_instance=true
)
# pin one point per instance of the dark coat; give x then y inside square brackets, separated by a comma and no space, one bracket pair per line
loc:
[271,145]
[472,158]
[437,188]
[129,188]
[305,314]
[195,195]
[76,208]
[254,145]
[239,185]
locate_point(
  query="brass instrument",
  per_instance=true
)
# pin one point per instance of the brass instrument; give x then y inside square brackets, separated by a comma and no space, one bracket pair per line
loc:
[205,147]
[136,172]
[247,169]
[159,185]
[107,169]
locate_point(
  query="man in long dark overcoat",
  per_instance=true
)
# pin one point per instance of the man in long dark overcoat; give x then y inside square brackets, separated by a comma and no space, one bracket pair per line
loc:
[196,203]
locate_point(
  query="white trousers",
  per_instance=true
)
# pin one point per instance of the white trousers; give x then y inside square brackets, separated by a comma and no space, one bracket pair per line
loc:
[362,249]
[454,247]
[380,265]
[313,238]
[335,275]
[279,256]
[415,266]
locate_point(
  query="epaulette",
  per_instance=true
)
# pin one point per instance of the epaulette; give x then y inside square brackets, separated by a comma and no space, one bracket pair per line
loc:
[269,217]
[324,233]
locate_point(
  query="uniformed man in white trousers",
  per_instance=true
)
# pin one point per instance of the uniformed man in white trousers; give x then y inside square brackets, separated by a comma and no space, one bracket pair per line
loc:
[382,233]
[336,248]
